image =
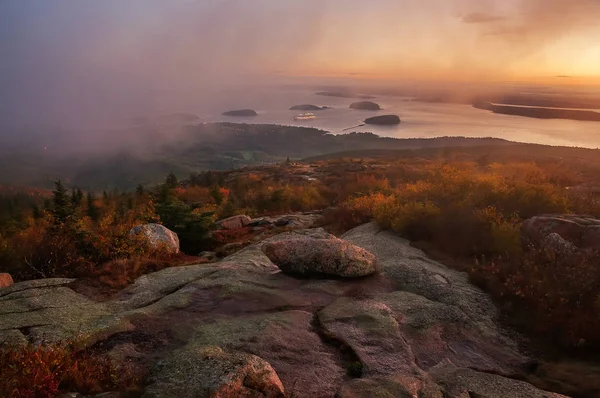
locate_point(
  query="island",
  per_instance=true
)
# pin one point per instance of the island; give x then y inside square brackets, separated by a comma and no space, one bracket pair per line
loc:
[365,106]
[241,112]
[344,94]
[307,107]
[383,120]
[540,112]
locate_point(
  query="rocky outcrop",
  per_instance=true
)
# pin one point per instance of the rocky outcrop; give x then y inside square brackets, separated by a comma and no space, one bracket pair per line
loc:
[158,237]
[234,222]
[213,373]
[461,382]
[241,113]
[383,120]
[5,280]
[306,107]
[241,327]
[49,311]
[306,256]
[297,220]
[582,232]
[365,106]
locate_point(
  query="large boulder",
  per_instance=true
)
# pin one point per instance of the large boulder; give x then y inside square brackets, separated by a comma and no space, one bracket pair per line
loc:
[383,120]
[234,222]
[306,256]
[580,231]
[365,106]
[241,113]
[158,237]
[211,372]
[5,280]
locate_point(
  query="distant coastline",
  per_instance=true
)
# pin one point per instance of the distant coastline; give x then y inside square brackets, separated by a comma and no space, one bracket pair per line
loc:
[540,112]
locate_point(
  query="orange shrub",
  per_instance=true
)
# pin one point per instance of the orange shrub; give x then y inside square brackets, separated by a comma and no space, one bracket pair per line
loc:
[45,371]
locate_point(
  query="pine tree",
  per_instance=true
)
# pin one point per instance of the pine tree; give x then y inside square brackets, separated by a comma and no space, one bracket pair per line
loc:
[171,181]
[217,195]
[92,210]
[76,197]
[139,190]
[62,209]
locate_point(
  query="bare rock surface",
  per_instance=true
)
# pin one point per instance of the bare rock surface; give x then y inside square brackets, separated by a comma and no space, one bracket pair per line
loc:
[241,327]
[212,372]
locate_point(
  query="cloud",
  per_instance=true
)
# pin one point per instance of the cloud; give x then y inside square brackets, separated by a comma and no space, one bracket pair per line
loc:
[479,17]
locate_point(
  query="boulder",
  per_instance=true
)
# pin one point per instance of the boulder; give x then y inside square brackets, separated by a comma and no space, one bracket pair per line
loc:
[580,231]
[365,106]
[211,372]
[234,222]
[241,113]
[5,280]
[306,107]
[158,237]
[383,120]
[306,256]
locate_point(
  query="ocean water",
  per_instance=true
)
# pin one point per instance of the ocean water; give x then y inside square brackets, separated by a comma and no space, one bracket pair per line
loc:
[419,119]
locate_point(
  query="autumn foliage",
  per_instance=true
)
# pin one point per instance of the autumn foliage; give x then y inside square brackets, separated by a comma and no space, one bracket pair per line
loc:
[46,371]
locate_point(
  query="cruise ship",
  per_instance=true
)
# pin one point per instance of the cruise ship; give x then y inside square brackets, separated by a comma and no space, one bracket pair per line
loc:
[305,116]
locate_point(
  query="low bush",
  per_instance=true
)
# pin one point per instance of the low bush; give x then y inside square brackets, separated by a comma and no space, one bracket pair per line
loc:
[46,371]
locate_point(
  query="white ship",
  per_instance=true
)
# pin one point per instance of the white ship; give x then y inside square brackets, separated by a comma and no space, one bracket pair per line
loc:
[305,116]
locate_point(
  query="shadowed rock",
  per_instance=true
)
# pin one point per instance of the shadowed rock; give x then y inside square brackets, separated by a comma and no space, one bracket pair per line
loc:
[365,106]
[461,382]
[304,256]
[241,113]
[158,237]
[54,313]
[234,222]
[213,373]
[580,231]
[383,120]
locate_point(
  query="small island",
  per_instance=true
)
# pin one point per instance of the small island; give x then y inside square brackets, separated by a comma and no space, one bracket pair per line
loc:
[384,120]
[343,94]
[365,106]
[241,112]
[307,107]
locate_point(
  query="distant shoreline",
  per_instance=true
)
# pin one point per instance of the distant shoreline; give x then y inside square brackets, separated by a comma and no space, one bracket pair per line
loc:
[540,112]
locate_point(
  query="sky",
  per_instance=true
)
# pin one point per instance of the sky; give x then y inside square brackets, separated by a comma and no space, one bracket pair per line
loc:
[61,55]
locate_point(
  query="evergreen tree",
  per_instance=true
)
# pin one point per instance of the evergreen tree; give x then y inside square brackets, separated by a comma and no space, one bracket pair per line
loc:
[171,181]
[76,197]
[62,210]
[37,212]
[217,195]
[139,190]
[92,210]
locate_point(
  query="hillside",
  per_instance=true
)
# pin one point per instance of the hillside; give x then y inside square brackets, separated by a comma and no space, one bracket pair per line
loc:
[222,146]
